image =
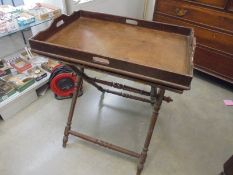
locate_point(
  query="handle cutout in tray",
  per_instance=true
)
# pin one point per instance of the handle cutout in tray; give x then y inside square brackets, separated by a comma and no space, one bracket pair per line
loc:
[60,23]
[132,22]
[101,60]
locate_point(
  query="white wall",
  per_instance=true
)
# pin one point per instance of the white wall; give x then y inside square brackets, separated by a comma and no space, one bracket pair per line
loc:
[150,9]
[128,8]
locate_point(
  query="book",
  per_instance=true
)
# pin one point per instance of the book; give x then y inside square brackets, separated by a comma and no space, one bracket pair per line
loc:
[37,73]
[27,55]
[20,81]
[2,73]
[4,69]
[50,65]
[6,90]
[1,64]
[20,64]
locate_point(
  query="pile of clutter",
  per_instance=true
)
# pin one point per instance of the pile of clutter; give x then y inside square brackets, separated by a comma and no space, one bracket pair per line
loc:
[20,71]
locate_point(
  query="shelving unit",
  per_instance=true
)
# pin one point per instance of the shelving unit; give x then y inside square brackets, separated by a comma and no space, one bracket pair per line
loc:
[18,101]
[24,28]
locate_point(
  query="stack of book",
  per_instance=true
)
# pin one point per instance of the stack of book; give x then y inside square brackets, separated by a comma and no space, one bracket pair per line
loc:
[6,90]
[20,64]
[50,65]
[19,81]
[37,73]
[20,72]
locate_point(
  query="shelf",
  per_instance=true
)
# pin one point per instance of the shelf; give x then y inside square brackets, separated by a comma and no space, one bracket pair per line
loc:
[35,86]
[37,22]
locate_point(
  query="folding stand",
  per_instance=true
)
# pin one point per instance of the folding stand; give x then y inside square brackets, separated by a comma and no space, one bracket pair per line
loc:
[156,99]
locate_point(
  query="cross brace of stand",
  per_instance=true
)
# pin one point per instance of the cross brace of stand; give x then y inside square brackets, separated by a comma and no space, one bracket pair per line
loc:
[157,96]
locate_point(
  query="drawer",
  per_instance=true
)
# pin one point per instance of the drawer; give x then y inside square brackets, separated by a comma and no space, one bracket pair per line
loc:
[197,14]
[214,39]
[215,63]
[215,3]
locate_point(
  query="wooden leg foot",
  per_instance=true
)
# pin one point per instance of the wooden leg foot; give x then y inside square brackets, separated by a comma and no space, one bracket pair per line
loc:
[139,169]
[142,161]
[65,140]
[66,136]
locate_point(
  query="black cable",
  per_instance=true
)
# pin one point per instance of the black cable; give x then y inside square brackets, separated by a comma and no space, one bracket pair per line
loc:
[61,69]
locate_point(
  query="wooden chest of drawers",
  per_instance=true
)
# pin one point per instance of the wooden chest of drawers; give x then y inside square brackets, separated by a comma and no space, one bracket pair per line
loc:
[212,21]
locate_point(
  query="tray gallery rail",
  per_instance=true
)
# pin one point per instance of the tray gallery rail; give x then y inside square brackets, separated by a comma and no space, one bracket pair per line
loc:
[156,54]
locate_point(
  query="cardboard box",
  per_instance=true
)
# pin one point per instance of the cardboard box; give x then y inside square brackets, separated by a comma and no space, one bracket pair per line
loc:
[25,19]
[43,11]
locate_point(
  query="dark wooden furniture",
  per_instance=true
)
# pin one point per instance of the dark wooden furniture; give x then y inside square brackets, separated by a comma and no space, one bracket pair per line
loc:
[228,167]
[212,21]
[159,55]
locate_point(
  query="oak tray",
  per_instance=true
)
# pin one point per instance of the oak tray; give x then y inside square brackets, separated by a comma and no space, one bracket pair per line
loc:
[150,52]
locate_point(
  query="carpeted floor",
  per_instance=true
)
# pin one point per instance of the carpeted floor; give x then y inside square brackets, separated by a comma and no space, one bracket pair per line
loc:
[193,134]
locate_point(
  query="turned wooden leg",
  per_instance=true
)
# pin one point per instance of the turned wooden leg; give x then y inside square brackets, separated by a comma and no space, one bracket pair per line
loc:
[157,105]
[78,84]
[153,93]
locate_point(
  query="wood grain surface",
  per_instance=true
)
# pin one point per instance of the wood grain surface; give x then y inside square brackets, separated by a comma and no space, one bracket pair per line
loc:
[212,21]
[129,43]
[144,51]
[216,3]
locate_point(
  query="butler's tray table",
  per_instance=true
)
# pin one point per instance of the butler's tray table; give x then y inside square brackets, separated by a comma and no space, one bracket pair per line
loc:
[156,54]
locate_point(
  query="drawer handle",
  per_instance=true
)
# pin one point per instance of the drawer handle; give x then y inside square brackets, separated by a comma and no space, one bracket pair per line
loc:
[181,12]
[100,60]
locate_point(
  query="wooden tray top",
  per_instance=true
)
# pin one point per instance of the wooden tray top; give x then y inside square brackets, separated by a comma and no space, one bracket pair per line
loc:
[135,44]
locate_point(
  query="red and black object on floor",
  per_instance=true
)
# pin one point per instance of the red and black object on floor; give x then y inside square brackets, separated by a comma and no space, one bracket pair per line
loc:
[62,82]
